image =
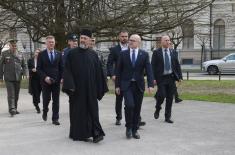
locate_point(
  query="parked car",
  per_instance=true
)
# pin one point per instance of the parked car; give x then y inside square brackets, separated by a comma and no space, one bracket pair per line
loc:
[226,64]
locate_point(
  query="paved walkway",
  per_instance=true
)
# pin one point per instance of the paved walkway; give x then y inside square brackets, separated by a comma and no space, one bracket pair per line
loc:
[200,128]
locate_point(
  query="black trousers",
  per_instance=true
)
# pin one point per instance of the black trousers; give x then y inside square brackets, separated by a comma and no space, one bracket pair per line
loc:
[118,106]
[133,101]
[54,91]
[166,90]
[36,90]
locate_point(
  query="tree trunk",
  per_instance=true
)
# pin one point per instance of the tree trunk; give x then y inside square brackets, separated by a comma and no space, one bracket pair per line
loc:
[60,21]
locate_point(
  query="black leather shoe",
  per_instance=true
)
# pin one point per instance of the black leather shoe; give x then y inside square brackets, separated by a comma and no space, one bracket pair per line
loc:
[12,113]
[118,122]
[168,121]
[98,139]
[17,112]
[128,133]
[56,122]
[44,116]
[178,100]
[38,109]
[156,115]
[142,123]
[136,135]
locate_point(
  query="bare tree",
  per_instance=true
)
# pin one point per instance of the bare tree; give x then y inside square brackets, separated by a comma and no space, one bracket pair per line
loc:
[104,17]
[176,36]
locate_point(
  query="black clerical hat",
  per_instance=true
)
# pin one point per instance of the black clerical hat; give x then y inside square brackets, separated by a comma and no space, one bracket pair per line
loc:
[86,32]
[12,41]
[72,37]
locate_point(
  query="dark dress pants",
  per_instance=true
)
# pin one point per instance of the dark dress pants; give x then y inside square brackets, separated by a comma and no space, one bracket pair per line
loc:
[133,100]
[118,106]
[166,89]
[36,90]
[54,91]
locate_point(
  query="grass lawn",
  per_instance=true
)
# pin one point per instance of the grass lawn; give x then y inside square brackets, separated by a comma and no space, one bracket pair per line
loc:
[202,90]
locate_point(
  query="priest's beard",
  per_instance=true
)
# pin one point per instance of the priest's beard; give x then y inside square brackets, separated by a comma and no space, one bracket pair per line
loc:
[83,46]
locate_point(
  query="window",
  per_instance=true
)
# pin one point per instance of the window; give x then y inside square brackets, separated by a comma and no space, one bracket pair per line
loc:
[187,61]
[188,34]
[219,35]
[231,57]
[233,7]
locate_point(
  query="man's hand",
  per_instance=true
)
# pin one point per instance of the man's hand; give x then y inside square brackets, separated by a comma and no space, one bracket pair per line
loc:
[62,81]
[150,90]
[34,70]
[114,78]
[118,92]
[47,80]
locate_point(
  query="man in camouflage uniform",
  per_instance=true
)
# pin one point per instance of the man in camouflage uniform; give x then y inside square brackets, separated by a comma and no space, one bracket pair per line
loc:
[12,67]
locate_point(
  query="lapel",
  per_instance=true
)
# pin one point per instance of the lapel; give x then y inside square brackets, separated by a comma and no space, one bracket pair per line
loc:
[128,57]
[33,63]
[140,53]
[161,55]
[119,48]
[55,56]
[47,56]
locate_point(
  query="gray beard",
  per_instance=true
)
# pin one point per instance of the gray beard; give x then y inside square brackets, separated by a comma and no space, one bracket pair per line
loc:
[83,46]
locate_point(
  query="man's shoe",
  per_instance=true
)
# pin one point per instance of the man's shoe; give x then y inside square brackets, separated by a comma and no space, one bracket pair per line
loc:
[168,121]
[12,113]
[118,122]
[136,135]
[56,122]
[142,123]
[156,114]
[98,139]
[17,112]
[38,109]
[128,133]
[178,100]
[44,116]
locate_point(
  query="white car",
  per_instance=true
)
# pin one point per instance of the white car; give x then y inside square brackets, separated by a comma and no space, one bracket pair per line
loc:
[226,64]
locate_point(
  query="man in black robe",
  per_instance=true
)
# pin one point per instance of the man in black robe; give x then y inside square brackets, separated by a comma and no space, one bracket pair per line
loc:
[85,84]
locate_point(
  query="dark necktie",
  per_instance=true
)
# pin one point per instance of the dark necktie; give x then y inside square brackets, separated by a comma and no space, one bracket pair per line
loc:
[133,58]
[167,61]
[51,56]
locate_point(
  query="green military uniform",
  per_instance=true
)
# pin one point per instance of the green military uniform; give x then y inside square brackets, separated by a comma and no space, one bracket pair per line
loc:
[12,67]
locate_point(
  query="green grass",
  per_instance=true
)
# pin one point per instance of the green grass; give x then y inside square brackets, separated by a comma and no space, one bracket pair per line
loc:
[201,90]
[223,98]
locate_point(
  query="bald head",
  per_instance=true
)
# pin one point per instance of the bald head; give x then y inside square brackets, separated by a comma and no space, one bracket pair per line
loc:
[134,41]
[165,41]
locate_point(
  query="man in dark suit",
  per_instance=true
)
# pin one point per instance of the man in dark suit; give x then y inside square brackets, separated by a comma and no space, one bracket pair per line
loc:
[50,69]
[132,64]
[34,80]
[166,71]
[112,67]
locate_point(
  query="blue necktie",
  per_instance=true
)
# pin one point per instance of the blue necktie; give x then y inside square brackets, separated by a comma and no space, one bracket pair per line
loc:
[133,58]
[167,61]
[51,57]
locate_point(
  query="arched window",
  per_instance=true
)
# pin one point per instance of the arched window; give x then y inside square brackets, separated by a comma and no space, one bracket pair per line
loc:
[219,34]
[188,34]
